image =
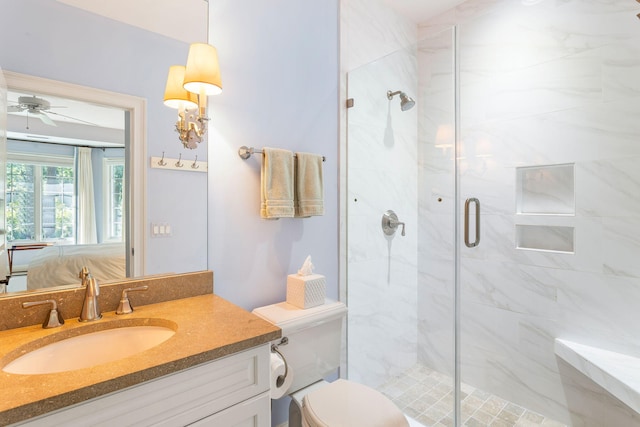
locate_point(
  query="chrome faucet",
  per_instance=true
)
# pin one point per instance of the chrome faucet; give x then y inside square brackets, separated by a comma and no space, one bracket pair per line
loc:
[53,319]
[90,308]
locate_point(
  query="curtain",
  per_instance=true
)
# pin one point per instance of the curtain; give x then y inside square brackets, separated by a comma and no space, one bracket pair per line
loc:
[86,204]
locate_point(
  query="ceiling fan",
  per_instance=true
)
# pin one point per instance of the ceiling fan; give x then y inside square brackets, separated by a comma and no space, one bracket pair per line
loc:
[40,108]
[34,106]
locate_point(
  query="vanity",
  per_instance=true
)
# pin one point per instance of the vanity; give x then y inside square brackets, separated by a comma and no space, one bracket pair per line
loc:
[213,369]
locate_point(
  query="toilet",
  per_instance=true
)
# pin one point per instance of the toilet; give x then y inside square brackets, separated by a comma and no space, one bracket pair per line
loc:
[312,352]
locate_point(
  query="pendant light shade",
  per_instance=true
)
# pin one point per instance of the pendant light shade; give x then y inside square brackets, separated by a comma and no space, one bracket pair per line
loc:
[202,75]
[175,96]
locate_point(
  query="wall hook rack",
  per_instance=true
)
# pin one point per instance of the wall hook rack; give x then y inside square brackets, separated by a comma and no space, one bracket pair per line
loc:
[178,164]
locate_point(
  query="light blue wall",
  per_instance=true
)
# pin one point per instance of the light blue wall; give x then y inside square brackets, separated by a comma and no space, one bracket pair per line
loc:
[48,39]
[27,147]
[280,76]
[279,61]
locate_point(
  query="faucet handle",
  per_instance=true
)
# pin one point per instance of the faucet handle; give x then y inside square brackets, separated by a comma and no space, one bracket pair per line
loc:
[84,273]
[390,223]
[395,224]
[125,304]
[53,319]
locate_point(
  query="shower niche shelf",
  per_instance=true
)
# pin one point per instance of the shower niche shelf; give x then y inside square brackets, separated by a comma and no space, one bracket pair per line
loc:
[545,190]
[548,238]
[542,193]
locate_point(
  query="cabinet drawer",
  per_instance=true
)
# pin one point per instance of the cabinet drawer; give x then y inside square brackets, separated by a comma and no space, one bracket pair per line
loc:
[255,412]
[174,400]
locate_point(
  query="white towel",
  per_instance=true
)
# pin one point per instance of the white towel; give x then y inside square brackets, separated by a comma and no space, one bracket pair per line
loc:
[309,188]
[277,188]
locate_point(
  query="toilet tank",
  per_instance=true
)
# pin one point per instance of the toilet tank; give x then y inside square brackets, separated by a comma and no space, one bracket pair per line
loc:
[315,336]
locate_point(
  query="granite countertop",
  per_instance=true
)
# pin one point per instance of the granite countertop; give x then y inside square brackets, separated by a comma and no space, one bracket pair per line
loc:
[207,328]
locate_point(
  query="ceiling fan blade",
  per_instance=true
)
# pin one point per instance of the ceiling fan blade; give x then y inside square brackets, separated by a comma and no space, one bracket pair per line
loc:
[73,118]
[15,109]
[45,119]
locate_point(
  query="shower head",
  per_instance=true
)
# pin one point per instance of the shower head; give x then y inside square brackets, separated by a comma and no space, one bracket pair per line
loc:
[406,102]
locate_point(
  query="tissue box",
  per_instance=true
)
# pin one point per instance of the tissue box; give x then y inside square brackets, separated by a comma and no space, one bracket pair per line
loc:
[306,291]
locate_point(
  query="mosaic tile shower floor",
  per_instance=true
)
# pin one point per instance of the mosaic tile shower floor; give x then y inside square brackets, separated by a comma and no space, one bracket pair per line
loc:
[427,396]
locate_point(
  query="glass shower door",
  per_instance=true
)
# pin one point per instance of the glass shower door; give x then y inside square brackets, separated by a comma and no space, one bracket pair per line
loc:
[400,288]
[548,144]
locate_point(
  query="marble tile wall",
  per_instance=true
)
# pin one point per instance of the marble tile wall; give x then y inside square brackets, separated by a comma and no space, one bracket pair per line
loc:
[551,83]
[382,175]
[370,30]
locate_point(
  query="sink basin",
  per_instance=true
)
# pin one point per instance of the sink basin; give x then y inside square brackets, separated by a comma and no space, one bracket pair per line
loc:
[88,349]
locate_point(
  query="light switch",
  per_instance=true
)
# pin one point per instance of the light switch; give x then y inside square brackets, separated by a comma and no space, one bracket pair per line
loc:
[160,230]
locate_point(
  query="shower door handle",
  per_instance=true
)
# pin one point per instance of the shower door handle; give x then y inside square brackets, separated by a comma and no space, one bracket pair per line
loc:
[467,203]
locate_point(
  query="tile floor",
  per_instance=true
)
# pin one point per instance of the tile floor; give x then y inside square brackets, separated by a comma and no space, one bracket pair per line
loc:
[427,396]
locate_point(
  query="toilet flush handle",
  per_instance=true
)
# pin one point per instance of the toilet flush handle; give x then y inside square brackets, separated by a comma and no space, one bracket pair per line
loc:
[274,349]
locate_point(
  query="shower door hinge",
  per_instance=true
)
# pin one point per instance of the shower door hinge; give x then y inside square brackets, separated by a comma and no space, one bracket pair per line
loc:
[349,102]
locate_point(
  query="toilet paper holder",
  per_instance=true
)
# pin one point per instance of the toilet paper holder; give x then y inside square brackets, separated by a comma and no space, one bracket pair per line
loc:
[274,349]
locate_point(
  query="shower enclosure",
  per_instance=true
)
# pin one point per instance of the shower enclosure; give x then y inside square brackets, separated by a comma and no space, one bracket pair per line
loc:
[516,178]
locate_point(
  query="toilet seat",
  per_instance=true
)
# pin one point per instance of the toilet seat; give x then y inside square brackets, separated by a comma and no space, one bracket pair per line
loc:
[344,403]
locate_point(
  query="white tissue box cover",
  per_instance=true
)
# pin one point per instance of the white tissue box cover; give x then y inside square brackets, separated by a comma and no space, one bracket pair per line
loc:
[306,291]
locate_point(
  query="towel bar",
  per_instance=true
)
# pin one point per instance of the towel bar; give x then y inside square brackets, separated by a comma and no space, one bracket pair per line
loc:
[245,152]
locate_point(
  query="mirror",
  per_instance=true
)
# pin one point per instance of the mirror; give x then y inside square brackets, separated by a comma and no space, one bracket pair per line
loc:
[65,142]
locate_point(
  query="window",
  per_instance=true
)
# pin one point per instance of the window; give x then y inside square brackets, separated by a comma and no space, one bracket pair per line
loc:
[113,199]
[40,199]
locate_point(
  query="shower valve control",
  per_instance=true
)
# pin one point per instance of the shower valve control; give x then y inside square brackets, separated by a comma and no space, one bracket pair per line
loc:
[390,223]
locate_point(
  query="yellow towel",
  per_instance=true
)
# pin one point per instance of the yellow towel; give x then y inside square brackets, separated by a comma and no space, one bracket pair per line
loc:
[309,199]
[277,189]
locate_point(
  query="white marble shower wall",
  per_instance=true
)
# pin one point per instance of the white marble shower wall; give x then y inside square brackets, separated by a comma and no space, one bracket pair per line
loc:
[382,174]
[382,275]
[553,83]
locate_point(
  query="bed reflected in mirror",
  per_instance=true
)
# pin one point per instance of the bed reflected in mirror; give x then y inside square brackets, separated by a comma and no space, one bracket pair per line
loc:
[57,265]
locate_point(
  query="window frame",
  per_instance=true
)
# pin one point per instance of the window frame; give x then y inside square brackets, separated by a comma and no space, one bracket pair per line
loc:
[38,161]
[107,222]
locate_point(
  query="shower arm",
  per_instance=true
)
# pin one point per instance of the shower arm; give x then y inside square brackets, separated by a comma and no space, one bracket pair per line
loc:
[390,94]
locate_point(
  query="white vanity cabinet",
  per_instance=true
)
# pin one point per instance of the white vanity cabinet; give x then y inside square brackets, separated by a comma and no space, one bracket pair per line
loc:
[231,391]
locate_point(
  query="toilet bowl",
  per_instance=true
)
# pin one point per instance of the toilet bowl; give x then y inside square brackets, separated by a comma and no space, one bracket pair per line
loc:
[346,403]
[311,353]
